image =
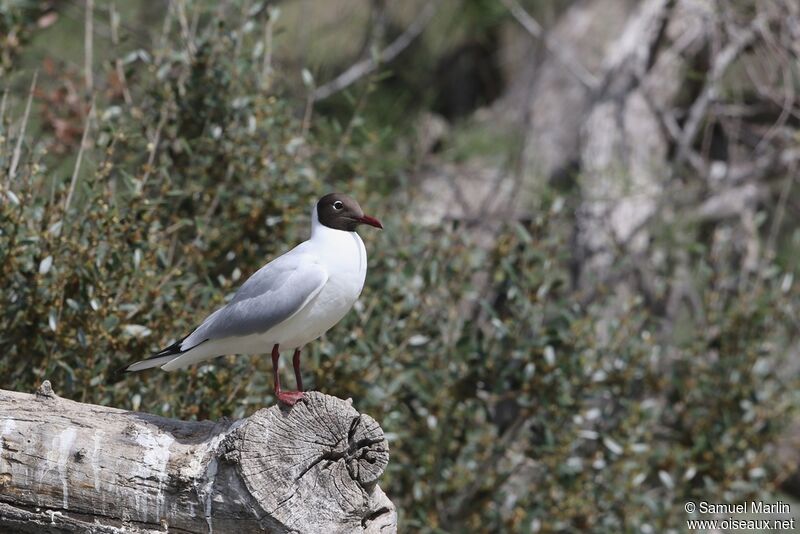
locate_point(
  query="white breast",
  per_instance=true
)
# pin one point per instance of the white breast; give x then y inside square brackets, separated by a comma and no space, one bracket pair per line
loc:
[345,258]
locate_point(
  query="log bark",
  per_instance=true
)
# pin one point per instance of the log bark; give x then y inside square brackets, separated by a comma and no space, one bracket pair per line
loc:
[72,467]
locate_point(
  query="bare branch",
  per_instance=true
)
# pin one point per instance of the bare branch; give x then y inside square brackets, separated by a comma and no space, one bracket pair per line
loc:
[780,211]
[368,65]
[186,28]
[671,129]
[88,47]
[114,23]
[307,113]
[266,67]
[151,157]
[3,103]
[12,171]
[165,28]
[551,43]
[77,168]
[708,93]
[730,203]
[237,47]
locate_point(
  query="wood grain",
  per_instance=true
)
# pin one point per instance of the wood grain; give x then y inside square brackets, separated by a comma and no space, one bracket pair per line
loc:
[72,467]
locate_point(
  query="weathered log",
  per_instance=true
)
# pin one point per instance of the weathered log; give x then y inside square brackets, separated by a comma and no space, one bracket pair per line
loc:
[72,467]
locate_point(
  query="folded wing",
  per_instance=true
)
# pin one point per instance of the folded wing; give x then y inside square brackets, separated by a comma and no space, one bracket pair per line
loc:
[269,297]
[272,295]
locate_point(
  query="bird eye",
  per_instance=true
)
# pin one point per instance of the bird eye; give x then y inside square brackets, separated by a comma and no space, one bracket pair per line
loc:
[338,205]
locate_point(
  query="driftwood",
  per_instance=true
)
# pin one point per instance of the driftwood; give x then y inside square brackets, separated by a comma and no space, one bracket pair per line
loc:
[72,467]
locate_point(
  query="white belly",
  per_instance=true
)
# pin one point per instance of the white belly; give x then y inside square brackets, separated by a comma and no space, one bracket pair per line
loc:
[346,262]
[327,309]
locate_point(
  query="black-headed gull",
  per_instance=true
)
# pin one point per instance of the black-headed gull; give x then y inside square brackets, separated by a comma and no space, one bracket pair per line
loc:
[290,301]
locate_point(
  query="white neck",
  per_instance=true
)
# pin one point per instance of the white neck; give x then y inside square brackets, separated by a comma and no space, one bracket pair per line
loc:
[320,231]
[338,247]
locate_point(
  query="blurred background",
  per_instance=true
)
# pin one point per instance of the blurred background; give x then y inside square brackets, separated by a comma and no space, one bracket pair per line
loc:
[583,309]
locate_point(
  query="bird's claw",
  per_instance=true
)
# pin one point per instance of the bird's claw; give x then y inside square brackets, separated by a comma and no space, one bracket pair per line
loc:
[290,398]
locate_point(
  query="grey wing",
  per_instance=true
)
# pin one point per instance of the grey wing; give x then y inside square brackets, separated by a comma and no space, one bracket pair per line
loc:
[272,295]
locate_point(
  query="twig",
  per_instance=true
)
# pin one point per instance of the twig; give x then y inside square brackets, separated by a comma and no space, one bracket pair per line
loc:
[465,498]
[757,166]
[368,65]
[3,107]
[237,49]
[151,157]
[309,110]
[551,43]
[165,28]
[786,109]
[74,10]
[780,210]
[12,171]
[671,129]
[519,160]
[348,131]
[722,61]
[196,22]
[88,48]
[266,66]
[77,168]
[114,16]
[186,31]
[375,37]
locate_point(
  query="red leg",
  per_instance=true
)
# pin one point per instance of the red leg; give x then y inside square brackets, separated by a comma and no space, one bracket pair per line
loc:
[276,379]
[296,363]
[286,397]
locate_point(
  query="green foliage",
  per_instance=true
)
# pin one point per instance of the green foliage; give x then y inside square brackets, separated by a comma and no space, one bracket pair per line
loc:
[17,22]
[535,410]
[152,232]
[512,401]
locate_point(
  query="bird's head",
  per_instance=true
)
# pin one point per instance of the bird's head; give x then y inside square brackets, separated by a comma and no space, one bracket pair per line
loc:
[341,212]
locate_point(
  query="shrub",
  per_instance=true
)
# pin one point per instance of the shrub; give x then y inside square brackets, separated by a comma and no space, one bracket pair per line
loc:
[512,401]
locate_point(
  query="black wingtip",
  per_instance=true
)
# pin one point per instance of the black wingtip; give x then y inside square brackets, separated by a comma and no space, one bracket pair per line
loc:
[117,375]
[175,348]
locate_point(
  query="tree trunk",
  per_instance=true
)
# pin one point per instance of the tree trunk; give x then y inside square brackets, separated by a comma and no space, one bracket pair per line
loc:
[72,467]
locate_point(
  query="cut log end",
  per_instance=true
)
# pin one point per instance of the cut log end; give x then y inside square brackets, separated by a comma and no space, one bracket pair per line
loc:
[321,452]
[66,467]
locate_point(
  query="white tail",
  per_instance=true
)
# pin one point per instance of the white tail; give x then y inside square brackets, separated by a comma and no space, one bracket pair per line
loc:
[152,362]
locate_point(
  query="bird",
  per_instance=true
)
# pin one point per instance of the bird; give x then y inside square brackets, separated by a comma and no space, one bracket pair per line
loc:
[287,303]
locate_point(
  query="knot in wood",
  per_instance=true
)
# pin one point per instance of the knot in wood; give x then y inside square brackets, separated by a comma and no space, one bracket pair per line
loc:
[45,390]
[321,451]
